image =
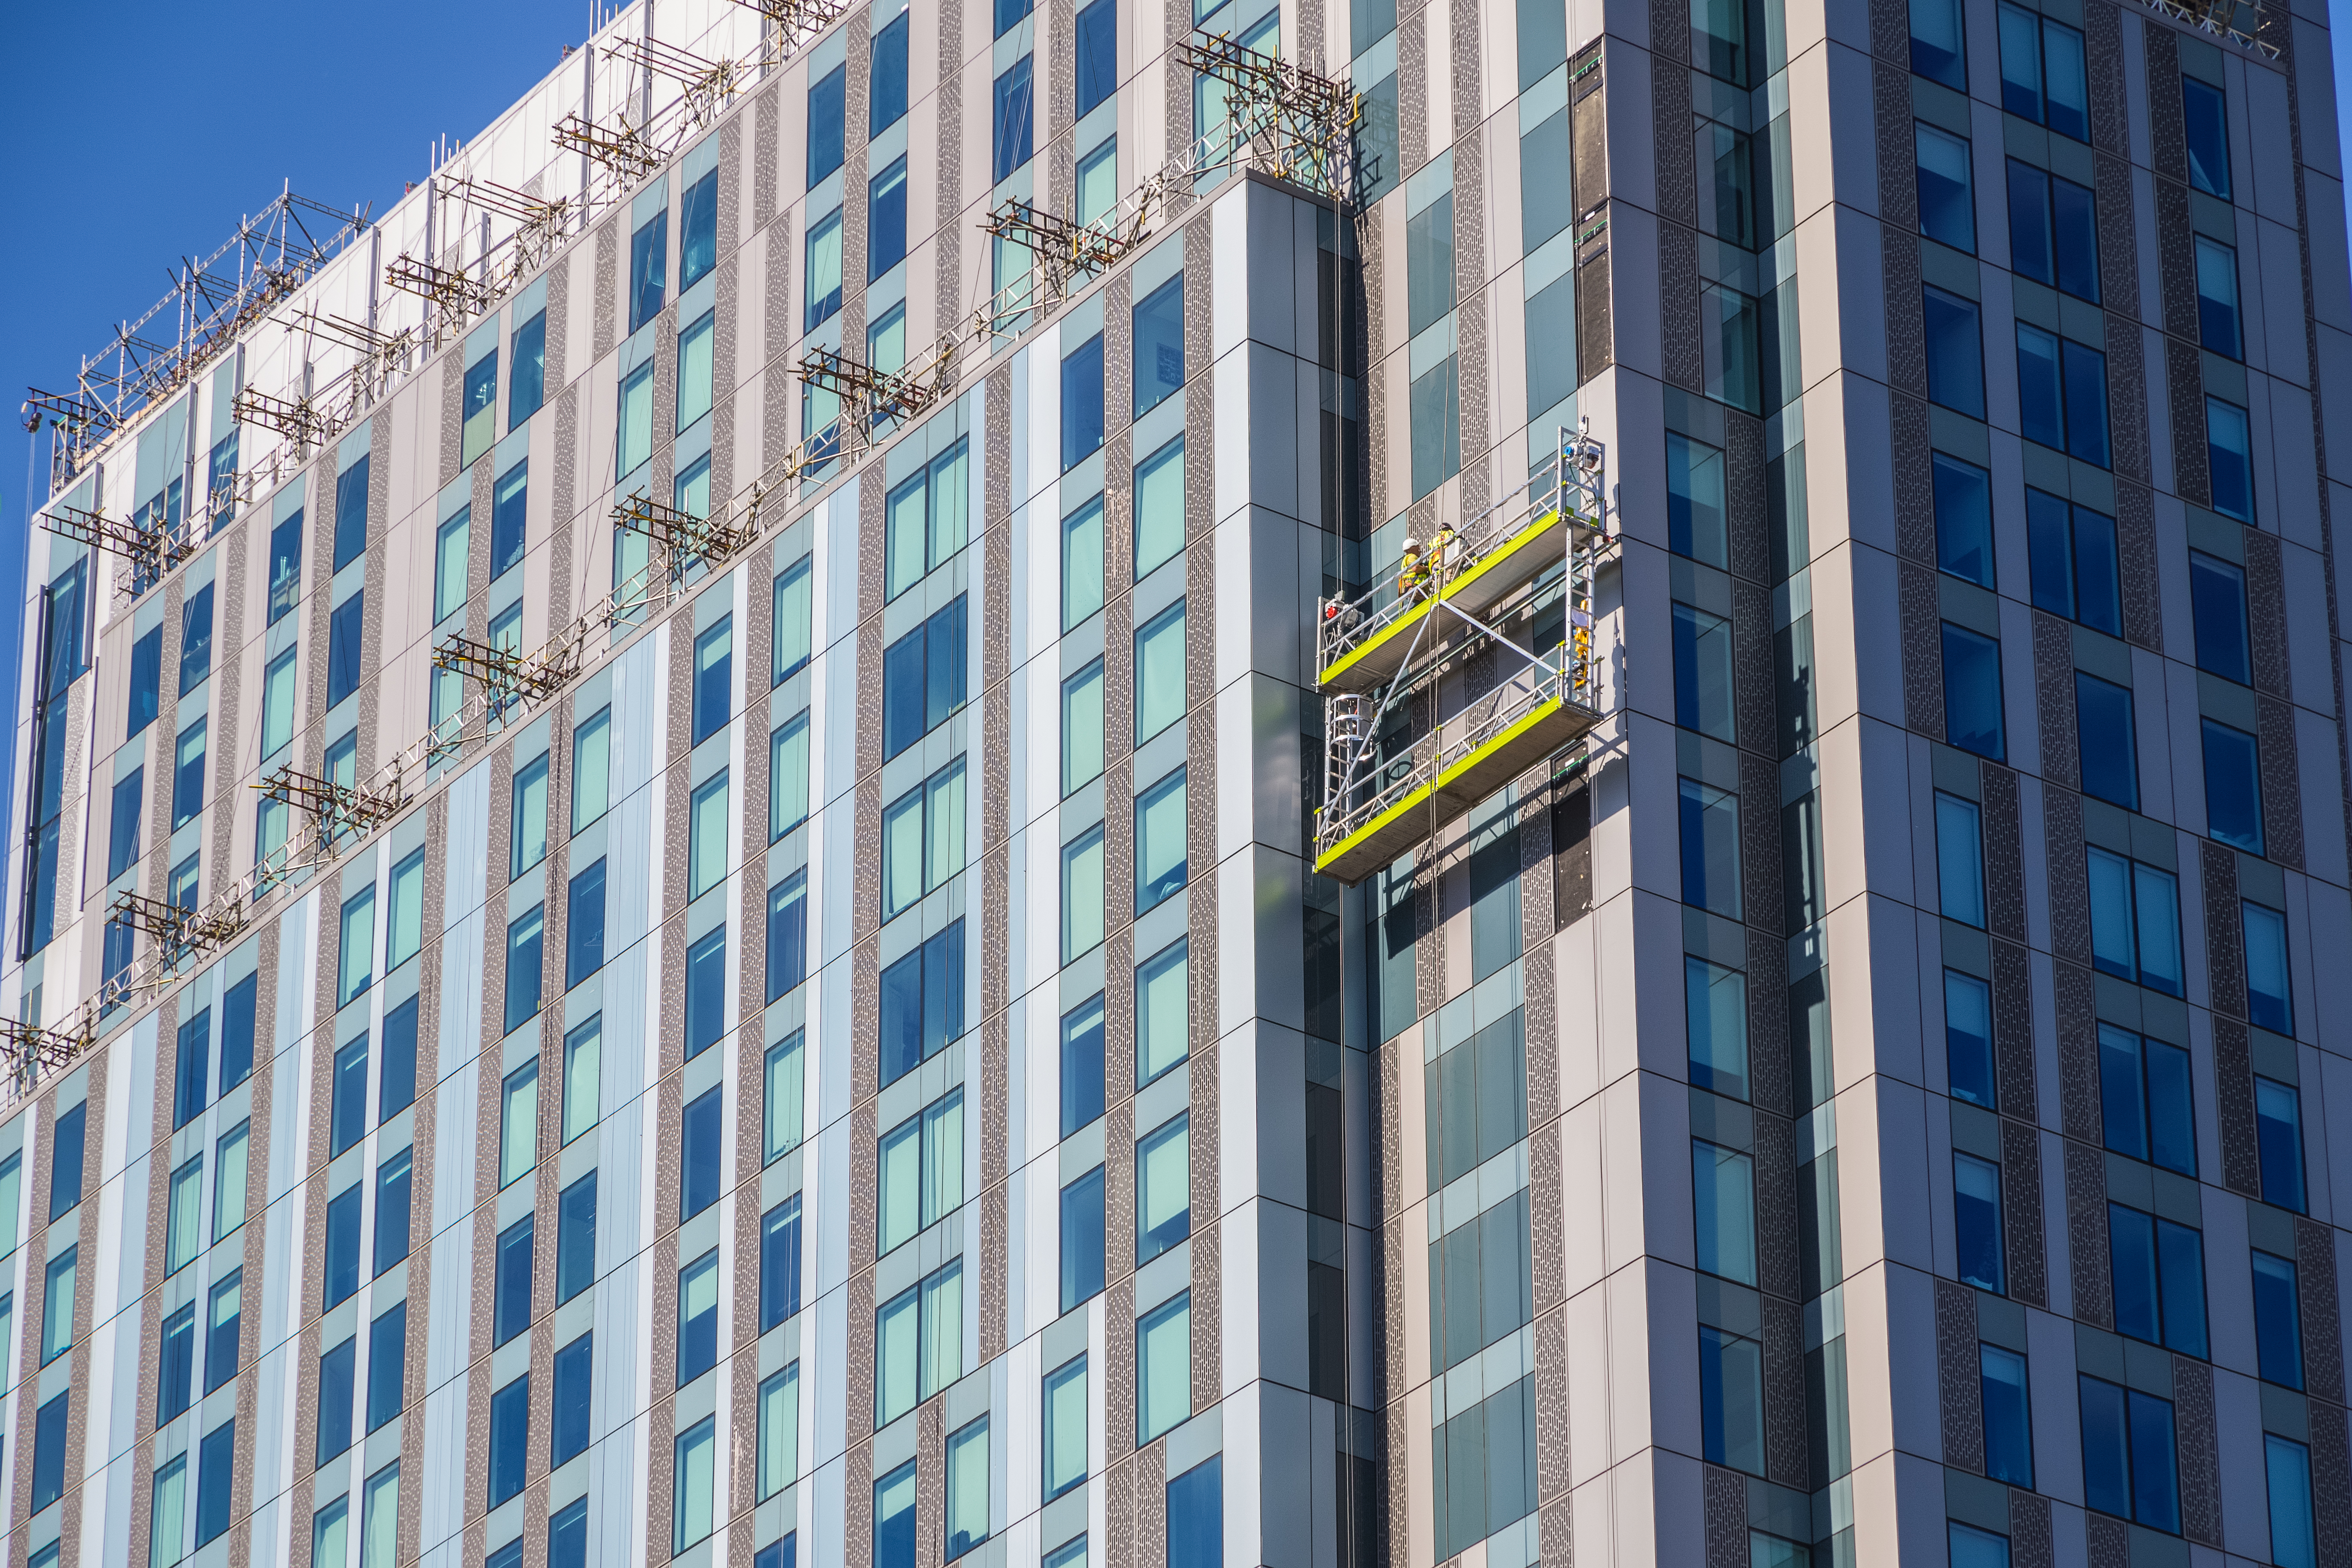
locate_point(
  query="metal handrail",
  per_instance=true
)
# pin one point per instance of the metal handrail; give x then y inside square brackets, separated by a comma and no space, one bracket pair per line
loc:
[1557,683]
[1343,626]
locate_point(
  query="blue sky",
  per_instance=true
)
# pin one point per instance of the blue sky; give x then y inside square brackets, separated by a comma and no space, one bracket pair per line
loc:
[145,140]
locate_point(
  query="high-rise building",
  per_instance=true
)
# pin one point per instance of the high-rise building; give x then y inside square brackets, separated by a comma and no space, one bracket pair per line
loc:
[1516,786]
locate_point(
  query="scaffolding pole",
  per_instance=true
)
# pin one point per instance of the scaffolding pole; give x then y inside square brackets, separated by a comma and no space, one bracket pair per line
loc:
[457,292]
[151,550]
[336,810]
[1280,118]
[304,421]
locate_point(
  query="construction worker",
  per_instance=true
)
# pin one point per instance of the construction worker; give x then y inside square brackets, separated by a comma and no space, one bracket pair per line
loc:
[1412,573]
[1444,553]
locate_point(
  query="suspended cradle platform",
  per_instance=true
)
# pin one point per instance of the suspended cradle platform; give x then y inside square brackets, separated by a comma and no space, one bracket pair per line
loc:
[1472,770]
[1369,654]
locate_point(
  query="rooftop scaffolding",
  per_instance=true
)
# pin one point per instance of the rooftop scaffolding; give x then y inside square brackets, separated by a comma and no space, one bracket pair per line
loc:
[151,548]
[622,148]
[460,293]
[2240,21]
[210,303]
[337,810]
[1281,119]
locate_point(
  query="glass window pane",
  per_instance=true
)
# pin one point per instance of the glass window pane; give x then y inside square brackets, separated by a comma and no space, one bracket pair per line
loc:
[1976,1207]
[1163,1355]
[1082,564]
[1065,1413]
[1716,1004]
[1160,673]
[1723,1204]
[1164,1178]
[1160,841]
[1159,507]
[1968,1038]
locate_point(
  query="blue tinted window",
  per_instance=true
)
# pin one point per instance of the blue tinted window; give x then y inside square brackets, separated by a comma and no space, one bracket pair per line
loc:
[714,664]
[1976,1215]
[1159,345]
[2110,749]
[574,1374]
[215,1481]
[2007,1416]
[1972,717]
[2278,1320]
[196,638]
[2278,1136]
[342,1263]
[575,1239]
[66,1159]
[827,97]
[352,512]
[1082,401]
[49,1452]
[2233,797]
[2041,402]
[787,934]
[525,940]
[886,81]
[176,1368]
[347,1113]
[284,566]
[2217,593]
[2270,994]
[1939,49]
[697,231]
[1012,122]
[780,1263]
[894,1519]
[1968,1038]
[1082,1064]
[509,1438]
[1097,54]
[336,1371]
[885,219]
[1964,520]
[1082,1239]
[1955,352]
[393,1185]
[2205,125]
[698,1317]
[1946,189]
[1196,1515]
[124,826]
[2229,460]
[1009,11]
[345,644]
[923,679]
[508,502]
[922,1003]
[192,1067]
[387,1364]
[705,992]
[146,680]
[511,1281]
[584,926]
[527,381]
[648,269]
[701,1136]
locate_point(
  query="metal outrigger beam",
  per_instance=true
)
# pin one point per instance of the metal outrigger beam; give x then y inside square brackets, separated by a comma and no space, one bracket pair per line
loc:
[152,549]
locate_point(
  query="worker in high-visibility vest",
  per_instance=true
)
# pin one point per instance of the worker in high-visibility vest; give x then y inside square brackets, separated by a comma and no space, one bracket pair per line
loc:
[1445,553]
[1412,573]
